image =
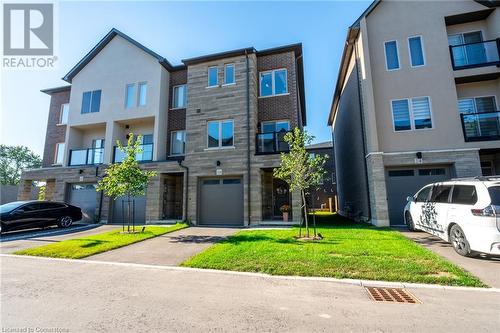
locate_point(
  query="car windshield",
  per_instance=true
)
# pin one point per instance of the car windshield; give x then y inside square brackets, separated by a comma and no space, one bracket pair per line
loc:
[5,208]
[495,195]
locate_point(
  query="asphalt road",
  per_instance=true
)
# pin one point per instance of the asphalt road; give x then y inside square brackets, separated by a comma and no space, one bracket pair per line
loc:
[83,296]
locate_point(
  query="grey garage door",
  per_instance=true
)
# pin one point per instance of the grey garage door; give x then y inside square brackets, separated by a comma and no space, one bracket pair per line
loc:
[404,182]
[120,210]
[221,201]
[85,197]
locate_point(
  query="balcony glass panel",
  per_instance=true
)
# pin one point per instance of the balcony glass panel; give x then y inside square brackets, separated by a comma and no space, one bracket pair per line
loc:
[481,126]
[273,142]
[145,155]
[475,54]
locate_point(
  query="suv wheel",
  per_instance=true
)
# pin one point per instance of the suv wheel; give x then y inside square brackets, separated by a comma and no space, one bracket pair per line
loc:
[460,243]
[409,222]
[65,222]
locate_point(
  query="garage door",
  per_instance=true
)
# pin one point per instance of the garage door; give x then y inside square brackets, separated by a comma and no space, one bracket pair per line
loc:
[404,182]
[221,201]
[85,197]
[120,210]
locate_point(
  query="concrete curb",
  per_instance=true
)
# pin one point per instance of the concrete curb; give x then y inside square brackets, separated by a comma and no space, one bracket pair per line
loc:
[355,282]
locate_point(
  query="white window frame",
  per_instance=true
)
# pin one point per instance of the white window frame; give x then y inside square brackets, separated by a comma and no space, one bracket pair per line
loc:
[143,83]
[474,99]
[397,54]
[412,118]
[225,74]
[56,153]
[61,114]
[216,75]
[421,46]
[273,86]
[172,142]
[219,139]
[173,96]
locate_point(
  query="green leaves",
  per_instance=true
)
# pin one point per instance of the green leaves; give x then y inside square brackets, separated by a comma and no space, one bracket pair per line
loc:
[13,159]
[126,178]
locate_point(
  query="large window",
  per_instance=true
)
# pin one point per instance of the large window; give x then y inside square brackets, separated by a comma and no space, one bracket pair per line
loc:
[59,155]
[130,95]
[143,93]
[213,76]
[275,126]
[179,97]
[229,74]
[220,133]
[416,51]
[391,55]
[477,104]
[411,114]
[178,143]
[467,48]
[63,116]
[273,82]
[91,101]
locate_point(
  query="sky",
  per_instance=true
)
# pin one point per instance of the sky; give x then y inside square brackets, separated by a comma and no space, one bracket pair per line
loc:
[181,30]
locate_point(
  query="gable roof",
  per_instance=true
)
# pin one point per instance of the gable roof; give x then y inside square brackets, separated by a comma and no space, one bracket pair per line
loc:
[105,41]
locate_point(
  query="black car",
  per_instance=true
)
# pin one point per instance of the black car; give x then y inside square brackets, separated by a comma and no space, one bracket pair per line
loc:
[37,214]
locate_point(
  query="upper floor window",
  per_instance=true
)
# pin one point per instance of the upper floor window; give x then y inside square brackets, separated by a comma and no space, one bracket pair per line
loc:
[411,114]
[273,82]
[275,126]
[477,104]
[179,96]
[91,101]
[59,154]
[467,49]
[178,143]
[416,51]
[391,55]
[229,74]
[143,91]
[213,76]
[63,115]
[220,133]
[130,95]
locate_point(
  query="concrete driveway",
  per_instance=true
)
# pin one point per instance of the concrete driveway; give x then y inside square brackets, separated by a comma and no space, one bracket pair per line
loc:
[486,268]
[169,249]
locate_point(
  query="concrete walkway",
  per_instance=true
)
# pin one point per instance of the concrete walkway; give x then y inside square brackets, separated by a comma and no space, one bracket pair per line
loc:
[169,249]
[486,268]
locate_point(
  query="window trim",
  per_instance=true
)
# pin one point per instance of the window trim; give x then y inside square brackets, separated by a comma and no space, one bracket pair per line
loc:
[234,75]
[139,84]
[219,139]
[126,95]
[273,86]
[397,54]
[56,151]
[421,46]
[172,143]
[474,99]
[61,114]
[216,75]
[173,97]
[412,119]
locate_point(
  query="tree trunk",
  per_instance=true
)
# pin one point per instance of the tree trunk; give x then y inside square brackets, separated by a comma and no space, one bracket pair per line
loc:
[305,213]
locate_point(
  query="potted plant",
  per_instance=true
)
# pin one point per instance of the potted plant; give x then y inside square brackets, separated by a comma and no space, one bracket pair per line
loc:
[285,209]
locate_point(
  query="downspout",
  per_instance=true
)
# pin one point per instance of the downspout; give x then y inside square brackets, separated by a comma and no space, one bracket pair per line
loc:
[186,191]
[363,131]
[248,137]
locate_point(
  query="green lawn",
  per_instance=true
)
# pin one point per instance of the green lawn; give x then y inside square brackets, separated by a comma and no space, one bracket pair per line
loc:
[348,250]
[86,246]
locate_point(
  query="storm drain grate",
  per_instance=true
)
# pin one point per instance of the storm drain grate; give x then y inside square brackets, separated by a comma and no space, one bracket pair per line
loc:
[396,295]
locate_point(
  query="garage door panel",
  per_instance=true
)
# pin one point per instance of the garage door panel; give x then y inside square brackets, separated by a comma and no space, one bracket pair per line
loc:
[85,197]
[221,201]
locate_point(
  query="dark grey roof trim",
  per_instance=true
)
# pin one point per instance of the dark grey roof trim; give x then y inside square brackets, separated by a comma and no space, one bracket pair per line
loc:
[50,91]
[320,145]
[102,43]
[468,17]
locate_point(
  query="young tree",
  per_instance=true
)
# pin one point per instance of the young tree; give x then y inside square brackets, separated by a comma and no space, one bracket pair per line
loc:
[300,169]
[126,178]
[13,159]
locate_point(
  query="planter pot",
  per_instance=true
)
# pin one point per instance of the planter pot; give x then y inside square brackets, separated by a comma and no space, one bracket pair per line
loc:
[285,216]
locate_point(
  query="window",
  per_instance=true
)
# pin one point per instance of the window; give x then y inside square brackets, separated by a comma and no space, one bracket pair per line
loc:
[213,76]
[431,172]
[494,192]
[275,126]
[63,116]
[440,194]
[229,74]
[178,143]
[179,97]
[91,101]
[423,195]
[416,51]
[273,83]
[59,156]
[130,96]
[468,49]
[220,133]
[401,173]
[464,195]
[477,104]
[487,168]
[231,181]
[411,114]
[391,55]
[143,91]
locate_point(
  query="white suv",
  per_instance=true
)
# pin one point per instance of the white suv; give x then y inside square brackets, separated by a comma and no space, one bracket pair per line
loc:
[465,212]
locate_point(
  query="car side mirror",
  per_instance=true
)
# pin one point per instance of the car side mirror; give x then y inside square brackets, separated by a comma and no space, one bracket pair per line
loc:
[409,199]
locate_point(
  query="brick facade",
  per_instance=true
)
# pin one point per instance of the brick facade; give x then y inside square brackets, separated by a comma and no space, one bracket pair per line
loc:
[176,117]
[55,133]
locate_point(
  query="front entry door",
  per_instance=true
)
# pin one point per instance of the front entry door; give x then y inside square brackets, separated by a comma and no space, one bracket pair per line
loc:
[281,196]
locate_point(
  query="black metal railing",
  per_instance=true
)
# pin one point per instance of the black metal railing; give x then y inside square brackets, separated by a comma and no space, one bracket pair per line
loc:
[145,156]
[477,54]
[271,143]
[481,126]
[88,156]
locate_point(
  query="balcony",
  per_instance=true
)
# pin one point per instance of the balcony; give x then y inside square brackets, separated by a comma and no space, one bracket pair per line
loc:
[145,156]
[89,156]
[481,126]
[477,54]
[271,143]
